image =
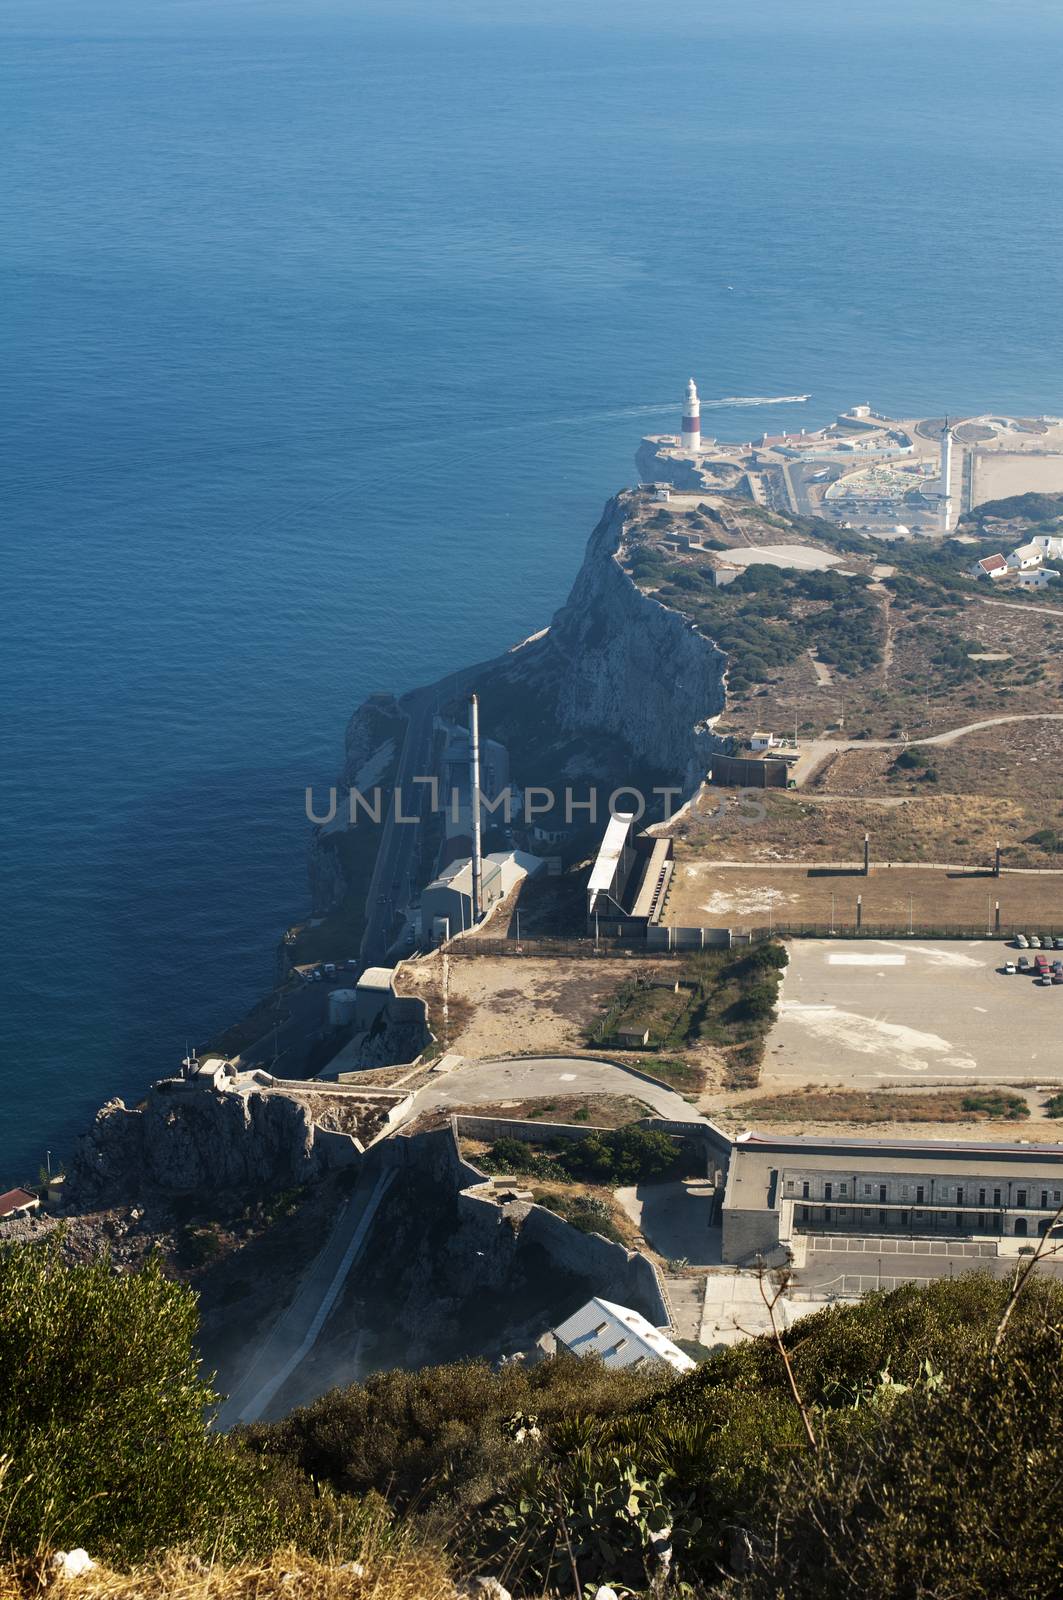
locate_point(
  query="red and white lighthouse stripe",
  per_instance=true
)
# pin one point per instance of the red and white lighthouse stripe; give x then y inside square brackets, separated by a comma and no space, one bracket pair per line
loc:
[692,418]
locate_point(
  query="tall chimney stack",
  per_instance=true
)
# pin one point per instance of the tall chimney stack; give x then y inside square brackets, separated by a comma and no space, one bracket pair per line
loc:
[474,801]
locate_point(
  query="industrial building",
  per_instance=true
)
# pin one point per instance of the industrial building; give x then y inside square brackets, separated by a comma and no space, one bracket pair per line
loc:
[778,1189]
[447,902]
[629,879]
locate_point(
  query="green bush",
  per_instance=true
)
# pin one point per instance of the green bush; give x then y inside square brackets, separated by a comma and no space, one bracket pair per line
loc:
[102,1413]
[622,1156]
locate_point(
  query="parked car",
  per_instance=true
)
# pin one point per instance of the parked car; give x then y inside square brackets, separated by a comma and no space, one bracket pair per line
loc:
[1035,943]
[1046,980]
[1024,964]
[1009,966]
[1057,977]
[1021,942]
[1059,941]
[329,969]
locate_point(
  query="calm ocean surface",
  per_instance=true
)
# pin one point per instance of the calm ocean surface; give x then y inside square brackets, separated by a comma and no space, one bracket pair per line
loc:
[329,330]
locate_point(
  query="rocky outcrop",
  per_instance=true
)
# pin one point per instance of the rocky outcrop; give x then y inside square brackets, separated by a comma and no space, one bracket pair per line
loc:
[185,1138]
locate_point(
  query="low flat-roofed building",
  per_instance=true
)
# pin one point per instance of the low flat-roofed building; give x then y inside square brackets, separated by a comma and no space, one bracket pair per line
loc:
[780,1188]
[447,901]
[619,1336]
[17,1203]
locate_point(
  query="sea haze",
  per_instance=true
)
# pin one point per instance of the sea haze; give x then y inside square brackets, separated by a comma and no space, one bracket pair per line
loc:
[330,329]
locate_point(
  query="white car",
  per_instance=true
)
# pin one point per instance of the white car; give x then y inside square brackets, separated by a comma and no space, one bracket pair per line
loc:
[1009,966]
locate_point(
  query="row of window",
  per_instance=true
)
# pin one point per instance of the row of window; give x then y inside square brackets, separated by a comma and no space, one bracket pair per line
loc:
[1049,1197]
[962,1219]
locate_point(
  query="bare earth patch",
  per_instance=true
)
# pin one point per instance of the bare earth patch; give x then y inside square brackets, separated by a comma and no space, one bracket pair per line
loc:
[596,1110]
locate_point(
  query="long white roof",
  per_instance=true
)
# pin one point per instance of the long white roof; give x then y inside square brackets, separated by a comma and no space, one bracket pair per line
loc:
[604,870]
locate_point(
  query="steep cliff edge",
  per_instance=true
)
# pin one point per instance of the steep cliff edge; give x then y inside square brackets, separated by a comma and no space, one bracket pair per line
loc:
[620,689]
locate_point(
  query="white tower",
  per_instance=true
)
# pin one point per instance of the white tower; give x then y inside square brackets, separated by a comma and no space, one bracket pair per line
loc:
[474,798]
[692,418]
[945,487]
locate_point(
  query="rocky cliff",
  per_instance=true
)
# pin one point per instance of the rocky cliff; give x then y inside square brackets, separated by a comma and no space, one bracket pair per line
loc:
[183,1139]
[618,690]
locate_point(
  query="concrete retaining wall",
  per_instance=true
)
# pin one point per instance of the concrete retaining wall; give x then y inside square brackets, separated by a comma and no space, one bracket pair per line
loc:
[503,1128]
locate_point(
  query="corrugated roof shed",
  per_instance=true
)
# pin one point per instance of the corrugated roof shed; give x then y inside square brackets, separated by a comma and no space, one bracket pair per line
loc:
[619,1336]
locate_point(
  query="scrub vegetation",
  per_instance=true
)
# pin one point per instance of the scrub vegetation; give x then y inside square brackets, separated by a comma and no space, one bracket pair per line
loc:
[908,1446]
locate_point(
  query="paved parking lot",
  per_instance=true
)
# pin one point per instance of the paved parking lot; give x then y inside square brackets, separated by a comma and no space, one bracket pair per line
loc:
[860,1012]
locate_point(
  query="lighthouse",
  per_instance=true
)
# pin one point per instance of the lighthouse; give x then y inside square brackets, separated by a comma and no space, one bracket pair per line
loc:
[945,487]
[947,438]
[692,418]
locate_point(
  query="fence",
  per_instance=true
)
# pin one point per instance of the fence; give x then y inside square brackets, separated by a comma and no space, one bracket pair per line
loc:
[883,930]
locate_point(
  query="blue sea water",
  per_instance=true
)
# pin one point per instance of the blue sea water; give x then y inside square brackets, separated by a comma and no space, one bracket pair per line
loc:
[328,331]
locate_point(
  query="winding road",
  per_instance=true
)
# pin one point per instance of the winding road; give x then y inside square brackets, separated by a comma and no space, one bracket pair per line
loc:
[816,751]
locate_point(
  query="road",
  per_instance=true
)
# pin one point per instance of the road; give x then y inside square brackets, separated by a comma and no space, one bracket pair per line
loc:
[295,1332]
[494,1082]
[816,751]
[397,853]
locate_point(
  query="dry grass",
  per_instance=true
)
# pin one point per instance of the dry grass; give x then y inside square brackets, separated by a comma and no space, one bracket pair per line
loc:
[851,1105]
[596,1110]
[746,896]
[285,1576]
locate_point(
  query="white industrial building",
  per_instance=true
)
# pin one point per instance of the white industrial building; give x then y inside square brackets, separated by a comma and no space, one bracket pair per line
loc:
[446,904]
[618,1336]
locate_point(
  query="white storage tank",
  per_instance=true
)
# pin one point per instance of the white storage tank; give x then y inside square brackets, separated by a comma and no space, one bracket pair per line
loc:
[342,1006]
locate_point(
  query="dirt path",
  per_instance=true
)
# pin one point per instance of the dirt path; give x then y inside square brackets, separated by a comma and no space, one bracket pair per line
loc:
[817,751]
[1012,605]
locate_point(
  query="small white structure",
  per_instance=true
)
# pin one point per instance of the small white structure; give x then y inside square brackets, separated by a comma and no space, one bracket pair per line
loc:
[991,567]
[1049,544]
[763,741]
[1024,557]
[1039,579]
[619,1336]
[692,418]
[374,989]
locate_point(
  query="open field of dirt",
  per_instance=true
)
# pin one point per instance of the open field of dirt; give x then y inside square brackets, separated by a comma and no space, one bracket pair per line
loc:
[705,894]
[525,1005]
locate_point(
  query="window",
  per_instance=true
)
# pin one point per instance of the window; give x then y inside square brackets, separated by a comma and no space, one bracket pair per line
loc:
[920,1194]
[904,1191]
[804,1191]
[843,1188]
[996,1197]
[1020,1197]
[919,1214]
[882,1219]
[867,1188]
[959,1194]
[867,1211]
[789,1186]
[804,1213]
[882,1191]
[1055,1196]
[1044,1198]
[981,1197]
[828,1191]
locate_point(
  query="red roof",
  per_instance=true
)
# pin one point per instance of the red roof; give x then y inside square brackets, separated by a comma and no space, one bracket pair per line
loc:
[992,563]
[15,1200]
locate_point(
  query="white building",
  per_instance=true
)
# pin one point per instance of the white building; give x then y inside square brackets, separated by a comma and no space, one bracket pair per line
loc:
[991,567]
[619,1336]
[1039,579]
[1049,544]
[446,904]
[1024,557]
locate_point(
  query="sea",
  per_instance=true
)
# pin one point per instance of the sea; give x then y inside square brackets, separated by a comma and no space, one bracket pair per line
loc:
[328,330]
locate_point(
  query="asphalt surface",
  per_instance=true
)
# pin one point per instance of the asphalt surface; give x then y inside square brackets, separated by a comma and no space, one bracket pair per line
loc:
[858,1013]
[495,1082]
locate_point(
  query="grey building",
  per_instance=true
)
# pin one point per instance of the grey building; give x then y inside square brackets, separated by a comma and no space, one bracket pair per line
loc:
[778,1189]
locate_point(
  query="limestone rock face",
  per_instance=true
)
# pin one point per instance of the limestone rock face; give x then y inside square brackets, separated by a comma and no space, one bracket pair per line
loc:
[632,667]
[186,1138]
